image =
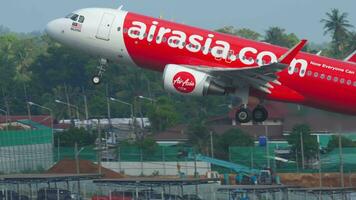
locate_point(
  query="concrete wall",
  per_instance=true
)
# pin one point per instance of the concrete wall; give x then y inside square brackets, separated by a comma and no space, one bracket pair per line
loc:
[25,158]
[163,168]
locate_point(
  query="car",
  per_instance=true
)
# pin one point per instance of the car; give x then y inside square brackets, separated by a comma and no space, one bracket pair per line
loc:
[191,197]
[156,196]
[53,194]
[12,195]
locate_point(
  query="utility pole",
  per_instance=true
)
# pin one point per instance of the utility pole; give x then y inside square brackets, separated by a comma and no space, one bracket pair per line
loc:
[341,162]
[267,147]
[67,99]
[100,148]
[320,175]
[302,149]
[212,144]
[76,157]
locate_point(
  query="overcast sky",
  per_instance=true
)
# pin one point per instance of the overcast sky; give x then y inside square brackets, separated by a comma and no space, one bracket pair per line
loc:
[299,16]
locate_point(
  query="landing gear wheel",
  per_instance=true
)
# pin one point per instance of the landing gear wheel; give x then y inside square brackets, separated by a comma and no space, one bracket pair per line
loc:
[101,69]
[243,115]
[96,80]
[259,114]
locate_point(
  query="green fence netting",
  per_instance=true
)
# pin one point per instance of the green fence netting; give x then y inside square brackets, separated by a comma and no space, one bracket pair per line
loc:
[126,154]
[25,137]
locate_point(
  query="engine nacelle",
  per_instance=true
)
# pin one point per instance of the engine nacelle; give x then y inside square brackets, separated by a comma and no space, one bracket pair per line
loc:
[187,81]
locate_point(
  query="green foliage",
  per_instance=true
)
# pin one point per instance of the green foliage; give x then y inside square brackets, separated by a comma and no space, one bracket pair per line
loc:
[198,134]
[337,25]
[162,114]
[232,137]
[244,32]
[334,142]
[310,143]
[277,36]
[75,135]
[148,145]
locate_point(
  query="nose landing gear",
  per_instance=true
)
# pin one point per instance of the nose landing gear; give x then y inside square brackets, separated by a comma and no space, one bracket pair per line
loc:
[101,69]
[244,115]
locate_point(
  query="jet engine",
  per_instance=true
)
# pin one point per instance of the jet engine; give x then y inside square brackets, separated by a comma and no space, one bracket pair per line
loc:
[187,81]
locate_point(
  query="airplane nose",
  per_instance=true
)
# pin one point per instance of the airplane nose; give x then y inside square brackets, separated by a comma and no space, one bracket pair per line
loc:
[55,28]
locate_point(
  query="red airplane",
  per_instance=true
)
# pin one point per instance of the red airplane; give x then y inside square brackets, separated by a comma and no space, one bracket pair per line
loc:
[200,62]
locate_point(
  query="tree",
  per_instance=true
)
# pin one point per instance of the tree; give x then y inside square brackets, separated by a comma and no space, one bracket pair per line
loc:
[75,135]
[162,114]
[232,137]
[198,134]
[351,42]
[148,145]
[310,143]
[248,34]
[337,25]
[334,142]
[276,35]
[244,32]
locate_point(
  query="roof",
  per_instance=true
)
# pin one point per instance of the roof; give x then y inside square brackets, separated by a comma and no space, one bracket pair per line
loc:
[321,121]
[22,178]
[68,166]
[45,120]
[156,181]
[179,133]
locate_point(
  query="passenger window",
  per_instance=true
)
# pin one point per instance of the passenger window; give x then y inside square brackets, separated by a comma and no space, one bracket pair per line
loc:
[74,17]
[336,79]
[81,19]
[342,81]
[316,74]
[348,82]
[354,84]
[329,78]
[322,76]
[118,29]
[309,73]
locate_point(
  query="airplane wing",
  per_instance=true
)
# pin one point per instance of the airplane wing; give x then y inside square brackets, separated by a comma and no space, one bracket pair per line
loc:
[259,77]
[351,57]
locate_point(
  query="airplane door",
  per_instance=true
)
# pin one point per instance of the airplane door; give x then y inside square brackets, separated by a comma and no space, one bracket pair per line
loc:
[104,29]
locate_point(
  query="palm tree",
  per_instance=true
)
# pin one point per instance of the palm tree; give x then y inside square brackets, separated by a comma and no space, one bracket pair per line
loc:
[275,35]
[337,25]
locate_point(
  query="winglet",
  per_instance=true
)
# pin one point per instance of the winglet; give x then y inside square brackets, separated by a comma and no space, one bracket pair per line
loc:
[292,53]
[120,7]
[351,57]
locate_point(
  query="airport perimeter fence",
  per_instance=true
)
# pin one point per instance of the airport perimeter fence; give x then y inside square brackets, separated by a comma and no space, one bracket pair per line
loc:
[26,150]
[126,154]
[258,158]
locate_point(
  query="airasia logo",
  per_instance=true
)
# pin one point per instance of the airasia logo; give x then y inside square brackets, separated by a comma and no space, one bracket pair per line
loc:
[184,82]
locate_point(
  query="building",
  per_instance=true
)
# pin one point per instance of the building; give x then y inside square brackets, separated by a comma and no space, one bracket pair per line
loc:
[282,118]
[25,145]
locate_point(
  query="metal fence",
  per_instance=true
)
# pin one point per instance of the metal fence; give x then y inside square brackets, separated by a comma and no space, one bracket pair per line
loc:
[26,150]
[259,157]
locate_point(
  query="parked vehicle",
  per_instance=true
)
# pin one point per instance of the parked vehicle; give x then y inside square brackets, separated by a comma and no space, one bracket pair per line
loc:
[191,197]
[53,194]
[12,195]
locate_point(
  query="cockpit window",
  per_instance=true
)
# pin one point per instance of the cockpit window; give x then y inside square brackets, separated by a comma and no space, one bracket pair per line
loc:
[81,19]
[74,17]
[69,16]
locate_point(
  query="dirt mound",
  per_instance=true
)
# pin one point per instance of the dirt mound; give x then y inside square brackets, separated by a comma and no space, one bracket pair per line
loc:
[313,180]
[68,166]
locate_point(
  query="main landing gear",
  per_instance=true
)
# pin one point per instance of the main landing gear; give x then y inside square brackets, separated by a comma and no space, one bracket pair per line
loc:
[101,69]
[244,115]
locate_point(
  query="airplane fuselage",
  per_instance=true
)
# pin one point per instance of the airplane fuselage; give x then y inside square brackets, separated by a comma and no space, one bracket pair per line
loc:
[152,43]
